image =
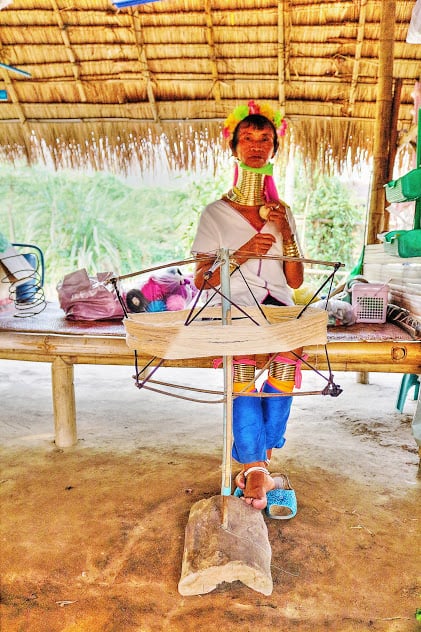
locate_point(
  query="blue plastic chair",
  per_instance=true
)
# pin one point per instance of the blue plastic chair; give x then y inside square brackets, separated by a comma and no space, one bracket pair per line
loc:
[408,381]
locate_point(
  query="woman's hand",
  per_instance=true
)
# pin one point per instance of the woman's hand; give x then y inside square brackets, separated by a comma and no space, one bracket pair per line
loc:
[258,245]
[277,213]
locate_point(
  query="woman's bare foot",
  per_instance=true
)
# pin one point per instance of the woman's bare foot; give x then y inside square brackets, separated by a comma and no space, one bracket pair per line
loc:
[255,484]
[240,481]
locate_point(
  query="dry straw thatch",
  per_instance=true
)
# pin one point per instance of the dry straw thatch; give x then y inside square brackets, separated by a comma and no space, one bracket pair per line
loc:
[152,83]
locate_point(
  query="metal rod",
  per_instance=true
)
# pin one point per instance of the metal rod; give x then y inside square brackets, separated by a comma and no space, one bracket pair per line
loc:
[206,257]
[301,259]
[160,267]
[19,71]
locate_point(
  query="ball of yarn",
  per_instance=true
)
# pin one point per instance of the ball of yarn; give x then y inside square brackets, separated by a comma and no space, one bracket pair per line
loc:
[152,291]
[136,301]
[156,306]
[175,302]
[304,294]
[183,291]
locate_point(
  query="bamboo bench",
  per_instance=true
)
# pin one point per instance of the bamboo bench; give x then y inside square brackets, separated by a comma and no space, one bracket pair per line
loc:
[49,337]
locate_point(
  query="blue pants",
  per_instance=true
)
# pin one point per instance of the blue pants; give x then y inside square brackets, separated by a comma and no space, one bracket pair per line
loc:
[259,424]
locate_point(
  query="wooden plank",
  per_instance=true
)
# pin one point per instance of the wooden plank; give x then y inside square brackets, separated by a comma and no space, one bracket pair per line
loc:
[398,356]
[63,351]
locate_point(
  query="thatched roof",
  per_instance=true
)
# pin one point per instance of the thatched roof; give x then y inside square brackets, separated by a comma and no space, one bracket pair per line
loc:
[109,87]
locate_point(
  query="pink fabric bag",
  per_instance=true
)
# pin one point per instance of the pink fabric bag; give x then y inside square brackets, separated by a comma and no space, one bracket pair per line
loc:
[88,298]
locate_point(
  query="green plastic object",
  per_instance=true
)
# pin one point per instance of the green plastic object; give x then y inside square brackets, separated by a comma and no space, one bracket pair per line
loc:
[359,266]
[391,235]
[406,188]
[405,243]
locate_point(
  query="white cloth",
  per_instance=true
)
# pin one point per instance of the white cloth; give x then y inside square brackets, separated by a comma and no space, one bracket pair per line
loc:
[221,226]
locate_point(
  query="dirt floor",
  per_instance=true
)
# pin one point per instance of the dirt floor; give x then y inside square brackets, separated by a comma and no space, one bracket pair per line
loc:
[92,537]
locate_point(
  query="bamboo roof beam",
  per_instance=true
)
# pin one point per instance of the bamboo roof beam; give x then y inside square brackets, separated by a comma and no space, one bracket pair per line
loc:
[376,211]
[125,77]
[69,51]
[307,63]
[284,13]
[210,36]
[10,89]
[133,119]
[357,59]
[143,59]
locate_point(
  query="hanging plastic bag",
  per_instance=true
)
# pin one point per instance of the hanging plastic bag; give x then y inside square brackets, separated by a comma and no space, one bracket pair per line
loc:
[414,29]
[89,298]
[340,313]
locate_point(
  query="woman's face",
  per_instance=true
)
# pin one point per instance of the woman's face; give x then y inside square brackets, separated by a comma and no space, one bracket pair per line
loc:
[255,147]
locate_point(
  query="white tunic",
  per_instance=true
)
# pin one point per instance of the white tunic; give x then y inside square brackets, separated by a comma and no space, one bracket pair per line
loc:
[221,226]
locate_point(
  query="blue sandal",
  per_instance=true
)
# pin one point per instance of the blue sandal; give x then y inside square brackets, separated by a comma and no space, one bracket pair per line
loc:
[281,501]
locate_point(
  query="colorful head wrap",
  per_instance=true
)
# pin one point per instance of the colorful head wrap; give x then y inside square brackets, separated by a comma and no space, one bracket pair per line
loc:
[264,109]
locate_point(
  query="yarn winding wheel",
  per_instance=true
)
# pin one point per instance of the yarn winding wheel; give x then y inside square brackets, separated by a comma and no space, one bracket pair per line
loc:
[226,539]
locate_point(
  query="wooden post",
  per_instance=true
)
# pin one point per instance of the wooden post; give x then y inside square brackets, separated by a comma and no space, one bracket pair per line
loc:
[363,377]
[394,128]
[383,121]
[63,403]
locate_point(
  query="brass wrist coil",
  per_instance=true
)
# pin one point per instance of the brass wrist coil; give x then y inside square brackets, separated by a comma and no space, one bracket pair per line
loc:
[291,249]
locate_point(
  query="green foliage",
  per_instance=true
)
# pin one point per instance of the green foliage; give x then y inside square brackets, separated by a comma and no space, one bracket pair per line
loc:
[66,215]
[101,223]
[97,222]
[334,222]
[201,192]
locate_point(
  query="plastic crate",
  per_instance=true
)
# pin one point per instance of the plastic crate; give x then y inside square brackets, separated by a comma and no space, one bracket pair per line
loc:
[369,301]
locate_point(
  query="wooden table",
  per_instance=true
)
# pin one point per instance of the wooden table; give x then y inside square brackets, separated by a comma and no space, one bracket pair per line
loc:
[49,337]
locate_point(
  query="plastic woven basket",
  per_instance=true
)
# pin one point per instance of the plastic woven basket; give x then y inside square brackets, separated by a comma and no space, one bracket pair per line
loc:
[369,301]
[405,188]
